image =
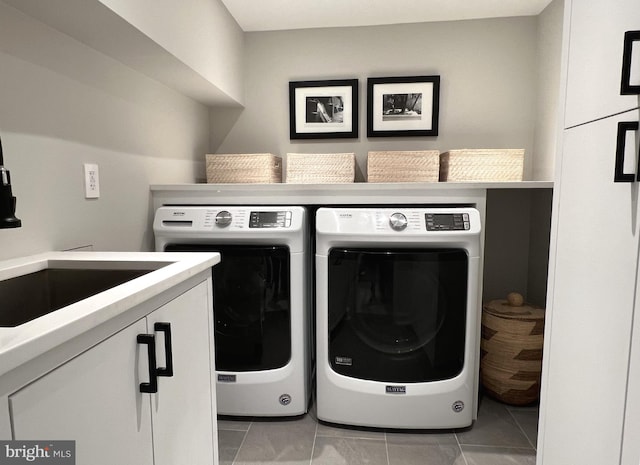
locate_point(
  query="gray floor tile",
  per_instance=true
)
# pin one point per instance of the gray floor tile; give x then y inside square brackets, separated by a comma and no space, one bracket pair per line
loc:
[503,435]
[328,430]
[349,451]
[275,441]
[495,427]
[234,423]
[426,437]
[229,443]
[423,448]
[528,421]
[484,455]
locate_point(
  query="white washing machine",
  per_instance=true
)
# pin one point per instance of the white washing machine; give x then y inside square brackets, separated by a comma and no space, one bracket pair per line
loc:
[261,301]
[398,316]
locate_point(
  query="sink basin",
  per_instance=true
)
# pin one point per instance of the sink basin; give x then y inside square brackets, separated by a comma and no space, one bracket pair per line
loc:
[52,298]
[27,297]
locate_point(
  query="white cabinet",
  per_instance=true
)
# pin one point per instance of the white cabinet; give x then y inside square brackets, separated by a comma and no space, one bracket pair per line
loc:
[183,409]
[597,29]
[588,388]
[592,300]
[95,398]
[631,431]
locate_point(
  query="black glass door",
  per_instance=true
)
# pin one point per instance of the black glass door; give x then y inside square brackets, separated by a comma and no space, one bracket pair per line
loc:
[251,305]
[397,315]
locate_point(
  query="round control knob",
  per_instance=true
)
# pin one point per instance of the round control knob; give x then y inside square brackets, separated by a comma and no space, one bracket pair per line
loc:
[223,218]
[398,221]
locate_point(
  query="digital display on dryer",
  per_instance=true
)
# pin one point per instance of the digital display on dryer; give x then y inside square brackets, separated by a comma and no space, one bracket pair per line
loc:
[447,221]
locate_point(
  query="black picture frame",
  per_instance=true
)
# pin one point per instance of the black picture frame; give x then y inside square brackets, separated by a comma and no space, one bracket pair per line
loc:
[323,109]
[403,106]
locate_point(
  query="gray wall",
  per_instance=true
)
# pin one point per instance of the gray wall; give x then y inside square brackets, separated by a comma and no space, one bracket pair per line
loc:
[549,40]
[518,222]
[200,33]
[487,67]
[63,104]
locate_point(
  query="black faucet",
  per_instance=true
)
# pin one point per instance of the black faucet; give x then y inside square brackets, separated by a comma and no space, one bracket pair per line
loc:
[7,200]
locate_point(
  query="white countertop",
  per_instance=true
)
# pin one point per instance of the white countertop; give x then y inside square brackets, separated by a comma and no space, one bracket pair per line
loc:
[25,342]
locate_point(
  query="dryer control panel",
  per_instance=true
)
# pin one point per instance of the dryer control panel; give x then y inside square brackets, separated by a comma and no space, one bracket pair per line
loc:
[400,221]
[447,221]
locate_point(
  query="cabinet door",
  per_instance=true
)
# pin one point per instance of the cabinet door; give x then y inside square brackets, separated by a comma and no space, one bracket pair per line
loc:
[93,399]
[630,441]
[592,286]
[183,409]
[596,41]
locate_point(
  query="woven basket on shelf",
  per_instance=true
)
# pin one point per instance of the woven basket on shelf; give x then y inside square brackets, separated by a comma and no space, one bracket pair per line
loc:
[482,165]
[320,168]
[243,168]
[511,350]
[412,166]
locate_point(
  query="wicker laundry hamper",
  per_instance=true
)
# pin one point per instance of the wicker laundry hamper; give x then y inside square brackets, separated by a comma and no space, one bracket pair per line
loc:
[320,168]
[482,165]
[511,350]
[251,168]
[404,166]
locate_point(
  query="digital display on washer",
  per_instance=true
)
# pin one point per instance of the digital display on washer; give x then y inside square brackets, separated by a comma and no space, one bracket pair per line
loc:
[447,221]
[278,219]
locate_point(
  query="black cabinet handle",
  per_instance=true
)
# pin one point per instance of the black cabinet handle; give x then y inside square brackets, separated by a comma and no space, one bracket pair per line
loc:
[626,88]
[166,329]
[620,175]
[150,341]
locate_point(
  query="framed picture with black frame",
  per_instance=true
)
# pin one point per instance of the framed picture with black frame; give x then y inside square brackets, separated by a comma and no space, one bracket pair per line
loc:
[403,106]
[323,109]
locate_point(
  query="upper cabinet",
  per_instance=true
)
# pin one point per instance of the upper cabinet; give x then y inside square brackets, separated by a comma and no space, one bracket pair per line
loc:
[597,30]
[192,46]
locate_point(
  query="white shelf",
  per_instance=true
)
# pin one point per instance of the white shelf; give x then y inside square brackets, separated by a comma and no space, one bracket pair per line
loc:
[332,194]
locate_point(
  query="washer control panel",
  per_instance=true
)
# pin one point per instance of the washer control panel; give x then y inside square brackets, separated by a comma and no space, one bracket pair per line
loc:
[398,221]
[270,219]
[223,218]
[447,221]
[232,219]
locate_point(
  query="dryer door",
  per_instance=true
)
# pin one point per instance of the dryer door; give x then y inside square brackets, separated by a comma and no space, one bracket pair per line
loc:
[251,305]
[397,315]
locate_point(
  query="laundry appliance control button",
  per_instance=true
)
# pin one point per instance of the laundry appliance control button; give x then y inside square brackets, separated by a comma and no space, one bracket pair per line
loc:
[223,218]
[398,221]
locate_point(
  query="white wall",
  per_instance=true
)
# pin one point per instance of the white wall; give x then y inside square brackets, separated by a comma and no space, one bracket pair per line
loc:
[63,104]
[487,67]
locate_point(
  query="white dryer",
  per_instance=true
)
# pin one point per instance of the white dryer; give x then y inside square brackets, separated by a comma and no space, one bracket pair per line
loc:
[261,301]
[398,316]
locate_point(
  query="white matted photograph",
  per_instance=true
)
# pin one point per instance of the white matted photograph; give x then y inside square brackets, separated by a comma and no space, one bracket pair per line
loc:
[323,109]
[403,106]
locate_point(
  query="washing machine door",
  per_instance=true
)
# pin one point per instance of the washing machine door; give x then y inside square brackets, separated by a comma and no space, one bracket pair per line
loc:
[397,315]
[251,305]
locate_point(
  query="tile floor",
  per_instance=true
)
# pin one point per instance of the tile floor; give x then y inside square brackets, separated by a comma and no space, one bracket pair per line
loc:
[502,435]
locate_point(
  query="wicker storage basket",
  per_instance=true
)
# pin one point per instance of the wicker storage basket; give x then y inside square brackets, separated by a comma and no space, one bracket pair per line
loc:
[511,350]
[482,165]
[416,166]
[243,168]
[320,168]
